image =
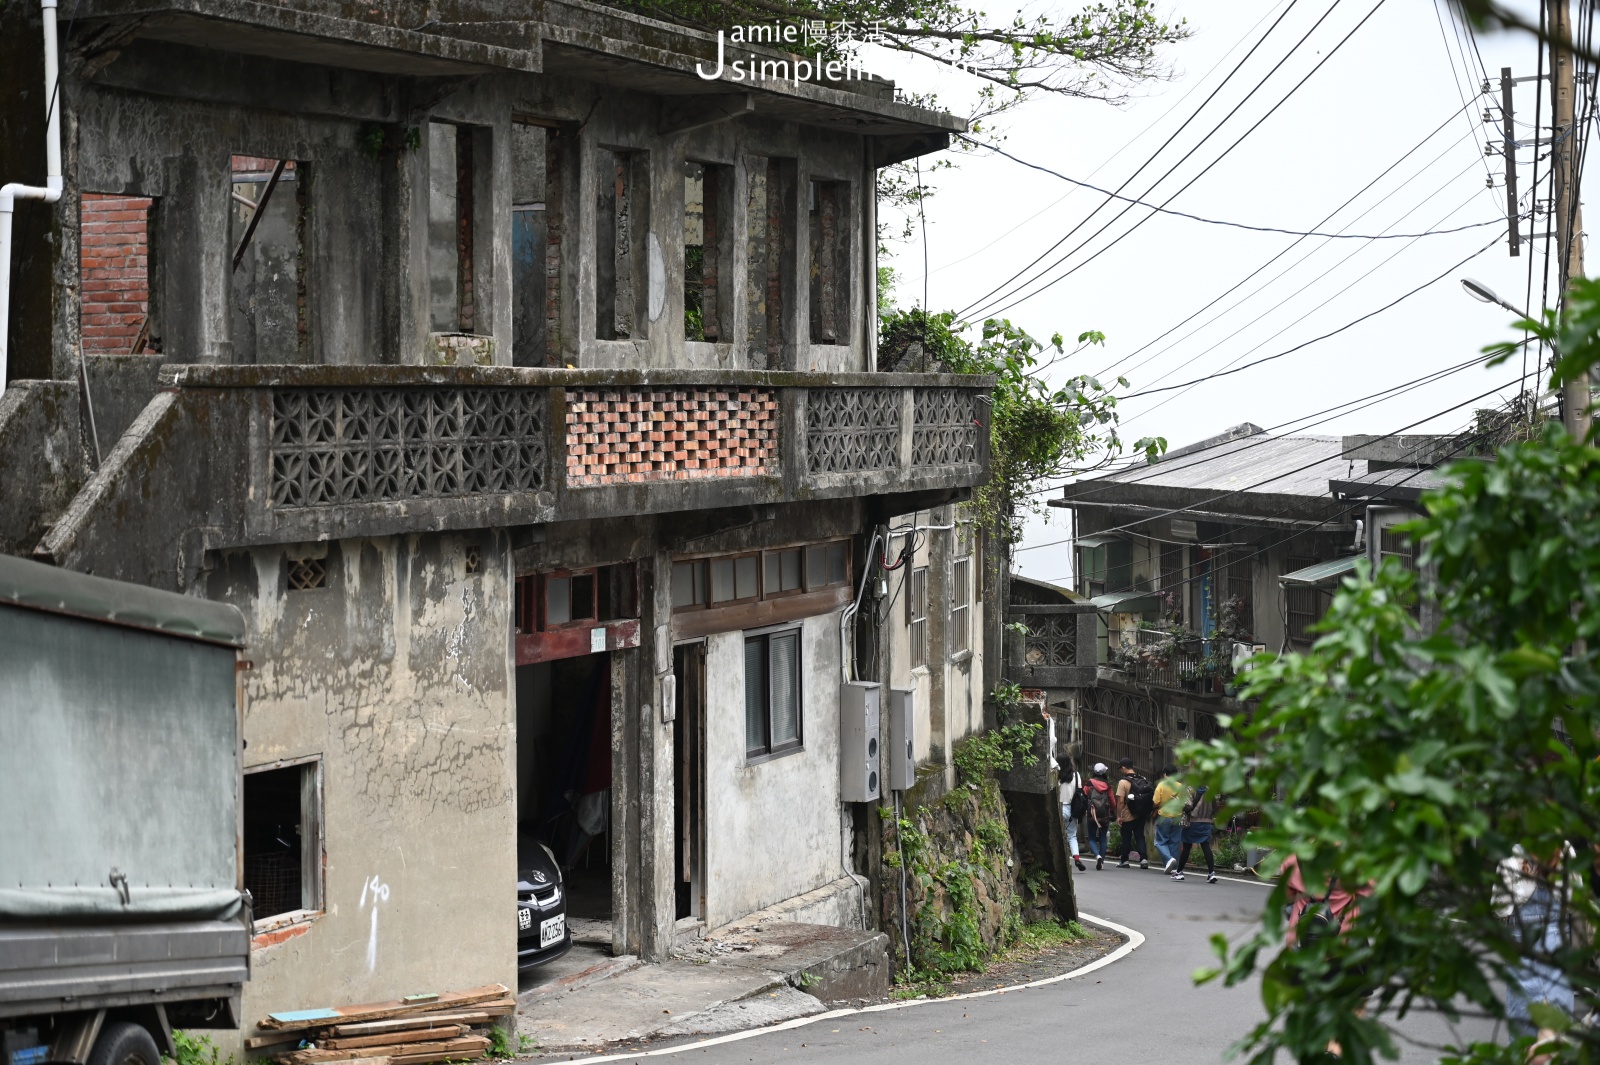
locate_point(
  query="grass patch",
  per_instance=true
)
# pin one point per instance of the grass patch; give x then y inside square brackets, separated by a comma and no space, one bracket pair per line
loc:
[1045,935]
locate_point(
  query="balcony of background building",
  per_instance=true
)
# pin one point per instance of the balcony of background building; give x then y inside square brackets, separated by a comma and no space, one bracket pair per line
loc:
[1052,646]
[1171,657]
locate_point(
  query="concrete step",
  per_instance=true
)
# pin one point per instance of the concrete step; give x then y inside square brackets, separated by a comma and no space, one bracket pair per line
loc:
[693,991]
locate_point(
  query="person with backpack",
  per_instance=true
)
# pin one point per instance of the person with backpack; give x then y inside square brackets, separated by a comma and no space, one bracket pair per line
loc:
[1074,809]
[1135,801]
[1168,802]
[1199,817]
[1102,811]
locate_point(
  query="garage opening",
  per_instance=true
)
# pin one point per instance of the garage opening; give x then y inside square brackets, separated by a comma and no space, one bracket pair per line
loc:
[564,781]
[569,626]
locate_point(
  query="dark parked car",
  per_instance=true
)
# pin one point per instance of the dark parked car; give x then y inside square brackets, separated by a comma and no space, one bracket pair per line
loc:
[542,933]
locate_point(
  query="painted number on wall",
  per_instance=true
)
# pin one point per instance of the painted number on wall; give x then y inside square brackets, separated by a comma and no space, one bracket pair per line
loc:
[375,892]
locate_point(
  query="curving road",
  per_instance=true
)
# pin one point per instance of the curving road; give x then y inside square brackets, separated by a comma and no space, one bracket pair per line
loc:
[1142,1007]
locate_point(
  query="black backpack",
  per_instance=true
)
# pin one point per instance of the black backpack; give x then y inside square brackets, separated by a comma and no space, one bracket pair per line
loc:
[1079,807]
[1141,795]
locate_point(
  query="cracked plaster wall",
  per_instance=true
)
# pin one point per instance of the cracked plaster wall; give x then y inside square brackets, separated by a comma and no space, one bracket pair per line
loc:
[411,709]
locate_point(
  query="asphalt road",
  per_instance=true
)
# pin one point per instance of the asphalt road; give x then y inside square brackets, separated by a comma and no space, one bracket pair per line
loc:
[1143,1007]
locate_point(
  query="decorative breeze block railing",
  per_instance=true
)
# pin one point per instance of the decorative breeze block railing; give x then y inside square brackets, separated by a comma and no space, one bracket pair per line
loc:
[850,430]
[945,432]
[1052,640]
[619,436]
[373,445]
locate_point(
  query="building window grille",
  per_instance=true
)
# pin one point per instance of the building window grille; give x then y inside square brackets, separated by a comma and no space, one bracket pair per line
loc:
[1304,605]
[917,616]
[306,574]
[772,708]
[960,605]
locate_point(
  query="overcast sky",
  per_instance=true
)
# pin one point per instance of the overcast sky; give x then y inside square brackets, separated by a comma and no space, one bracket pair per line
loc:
[1396,81]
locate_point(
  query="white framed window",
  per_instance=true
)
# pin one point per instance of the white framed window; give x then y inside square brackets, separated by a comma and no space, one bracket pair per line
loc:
[961,605]
[917,615]
[772,693]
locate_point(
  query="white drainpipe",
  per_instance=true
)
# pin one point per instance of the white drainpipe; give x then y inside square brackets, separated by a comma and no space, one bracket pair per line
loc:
[51,193]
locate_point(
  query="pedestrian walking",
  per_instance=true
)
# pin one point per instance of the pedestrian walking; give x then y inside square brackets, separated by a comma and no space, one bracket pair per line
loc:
[1135,802]
[1074,809]
[1168,800]
[1102,812]
[1199,818]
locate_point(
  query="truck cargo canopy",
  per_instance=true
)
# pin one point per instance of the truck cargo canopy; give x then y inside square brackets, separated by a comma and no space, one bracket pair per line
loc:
[39,587]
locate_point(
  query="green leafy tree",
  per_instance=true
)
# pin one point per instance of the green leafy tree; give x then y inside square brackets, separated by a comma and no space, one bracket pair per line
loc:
[1037,432]
[1442,771]
[1096,52]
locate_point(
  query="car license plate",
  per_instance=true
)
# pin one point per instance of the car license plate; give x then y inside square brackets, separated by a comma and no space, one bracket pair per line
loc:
[524,920]
[553,930]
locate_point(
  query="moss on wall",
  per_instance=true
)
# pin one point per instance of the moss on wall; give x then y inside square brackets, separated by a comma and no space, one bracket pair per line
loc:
[967,892]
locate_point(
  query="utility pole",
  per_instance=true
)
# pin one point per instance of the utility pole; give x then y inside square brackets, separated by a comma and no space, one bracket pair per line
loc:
[1566,206]
[1510,152]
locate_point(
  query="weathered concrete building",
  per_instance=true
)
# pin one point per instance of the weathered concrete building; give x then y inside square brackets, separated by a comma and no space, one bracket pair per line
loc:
[517,383]
[1229,546]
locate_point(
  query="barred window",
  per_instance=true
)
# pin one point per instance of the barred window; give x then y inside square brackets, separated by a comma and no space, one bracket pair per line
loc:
[1304,604]
[960,605]
[917,615]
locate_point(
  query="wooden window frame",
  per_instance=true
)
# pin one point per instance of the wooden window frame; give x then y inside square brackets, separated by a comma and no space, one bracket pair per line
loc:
[572,622]
[767,750]
[717,604]
[772,552]
[312,834]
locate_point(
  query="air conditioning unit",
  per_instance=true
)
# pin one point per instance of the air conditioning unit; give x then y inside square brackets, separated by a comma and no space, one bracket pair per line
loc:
[1242,652]
[900,761]
[859,756]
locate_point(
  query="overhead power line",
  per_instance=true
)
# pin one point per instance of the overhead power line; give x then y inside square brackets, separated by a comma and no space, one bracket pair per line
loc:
[1014,299]
[1290,247]
[1331,297]
[1277,476]
[1224,222]
[1154,155]
[1212,452]
[1370,314]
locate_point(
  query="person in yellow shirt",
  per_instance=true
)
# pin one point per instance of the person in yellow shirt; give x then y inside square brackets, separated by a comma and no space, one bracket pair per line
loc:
[1169,799]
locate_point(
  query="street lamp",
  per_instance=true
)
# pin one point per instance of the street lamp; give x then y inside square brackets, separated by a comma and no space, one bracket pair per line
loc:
[1483,293]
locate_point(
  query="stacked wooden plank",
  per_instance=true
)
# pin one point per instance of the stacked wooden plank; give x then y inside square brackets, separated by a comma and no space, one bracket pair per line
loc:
[414,1030]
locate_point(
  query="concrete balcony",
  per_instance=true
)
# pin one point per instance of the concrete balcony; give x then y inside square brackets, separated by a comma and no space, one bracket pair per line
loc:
[1059,648]
[231,456]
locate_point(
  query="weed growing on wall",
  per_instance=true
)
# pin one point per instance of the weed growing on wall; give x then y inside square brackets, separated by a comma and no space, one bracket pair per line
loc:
[198,1050]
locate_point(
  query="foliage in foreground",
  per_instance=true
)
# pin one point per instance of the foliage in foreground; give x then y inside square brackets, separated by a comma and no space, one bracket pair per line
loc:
[1417,765]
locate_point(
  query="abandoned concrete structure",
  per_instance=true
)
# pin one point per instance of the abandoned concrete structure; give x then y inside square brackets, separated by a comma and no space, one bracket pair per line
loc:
[518,385]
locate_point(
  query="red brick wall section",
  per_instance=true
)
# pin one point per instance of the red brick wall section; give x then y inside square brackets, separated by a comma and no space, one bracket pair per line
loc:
[620,436]
[114,271]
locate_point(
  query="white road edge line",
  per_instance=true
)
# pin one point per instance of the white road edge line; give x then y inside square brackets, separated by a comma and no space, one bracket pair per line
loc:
[1135,941]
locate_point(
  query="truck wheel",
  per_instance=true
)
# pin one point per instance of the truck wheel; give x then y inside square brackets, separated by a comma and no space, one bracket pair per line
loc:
[124,1043]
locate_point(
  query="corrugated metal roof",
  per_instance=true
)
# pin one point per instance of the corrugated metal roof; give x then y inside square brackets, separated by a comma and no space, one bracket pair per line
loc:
[1127,602]
[1322,572]
[1277,465]
[1401,484]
